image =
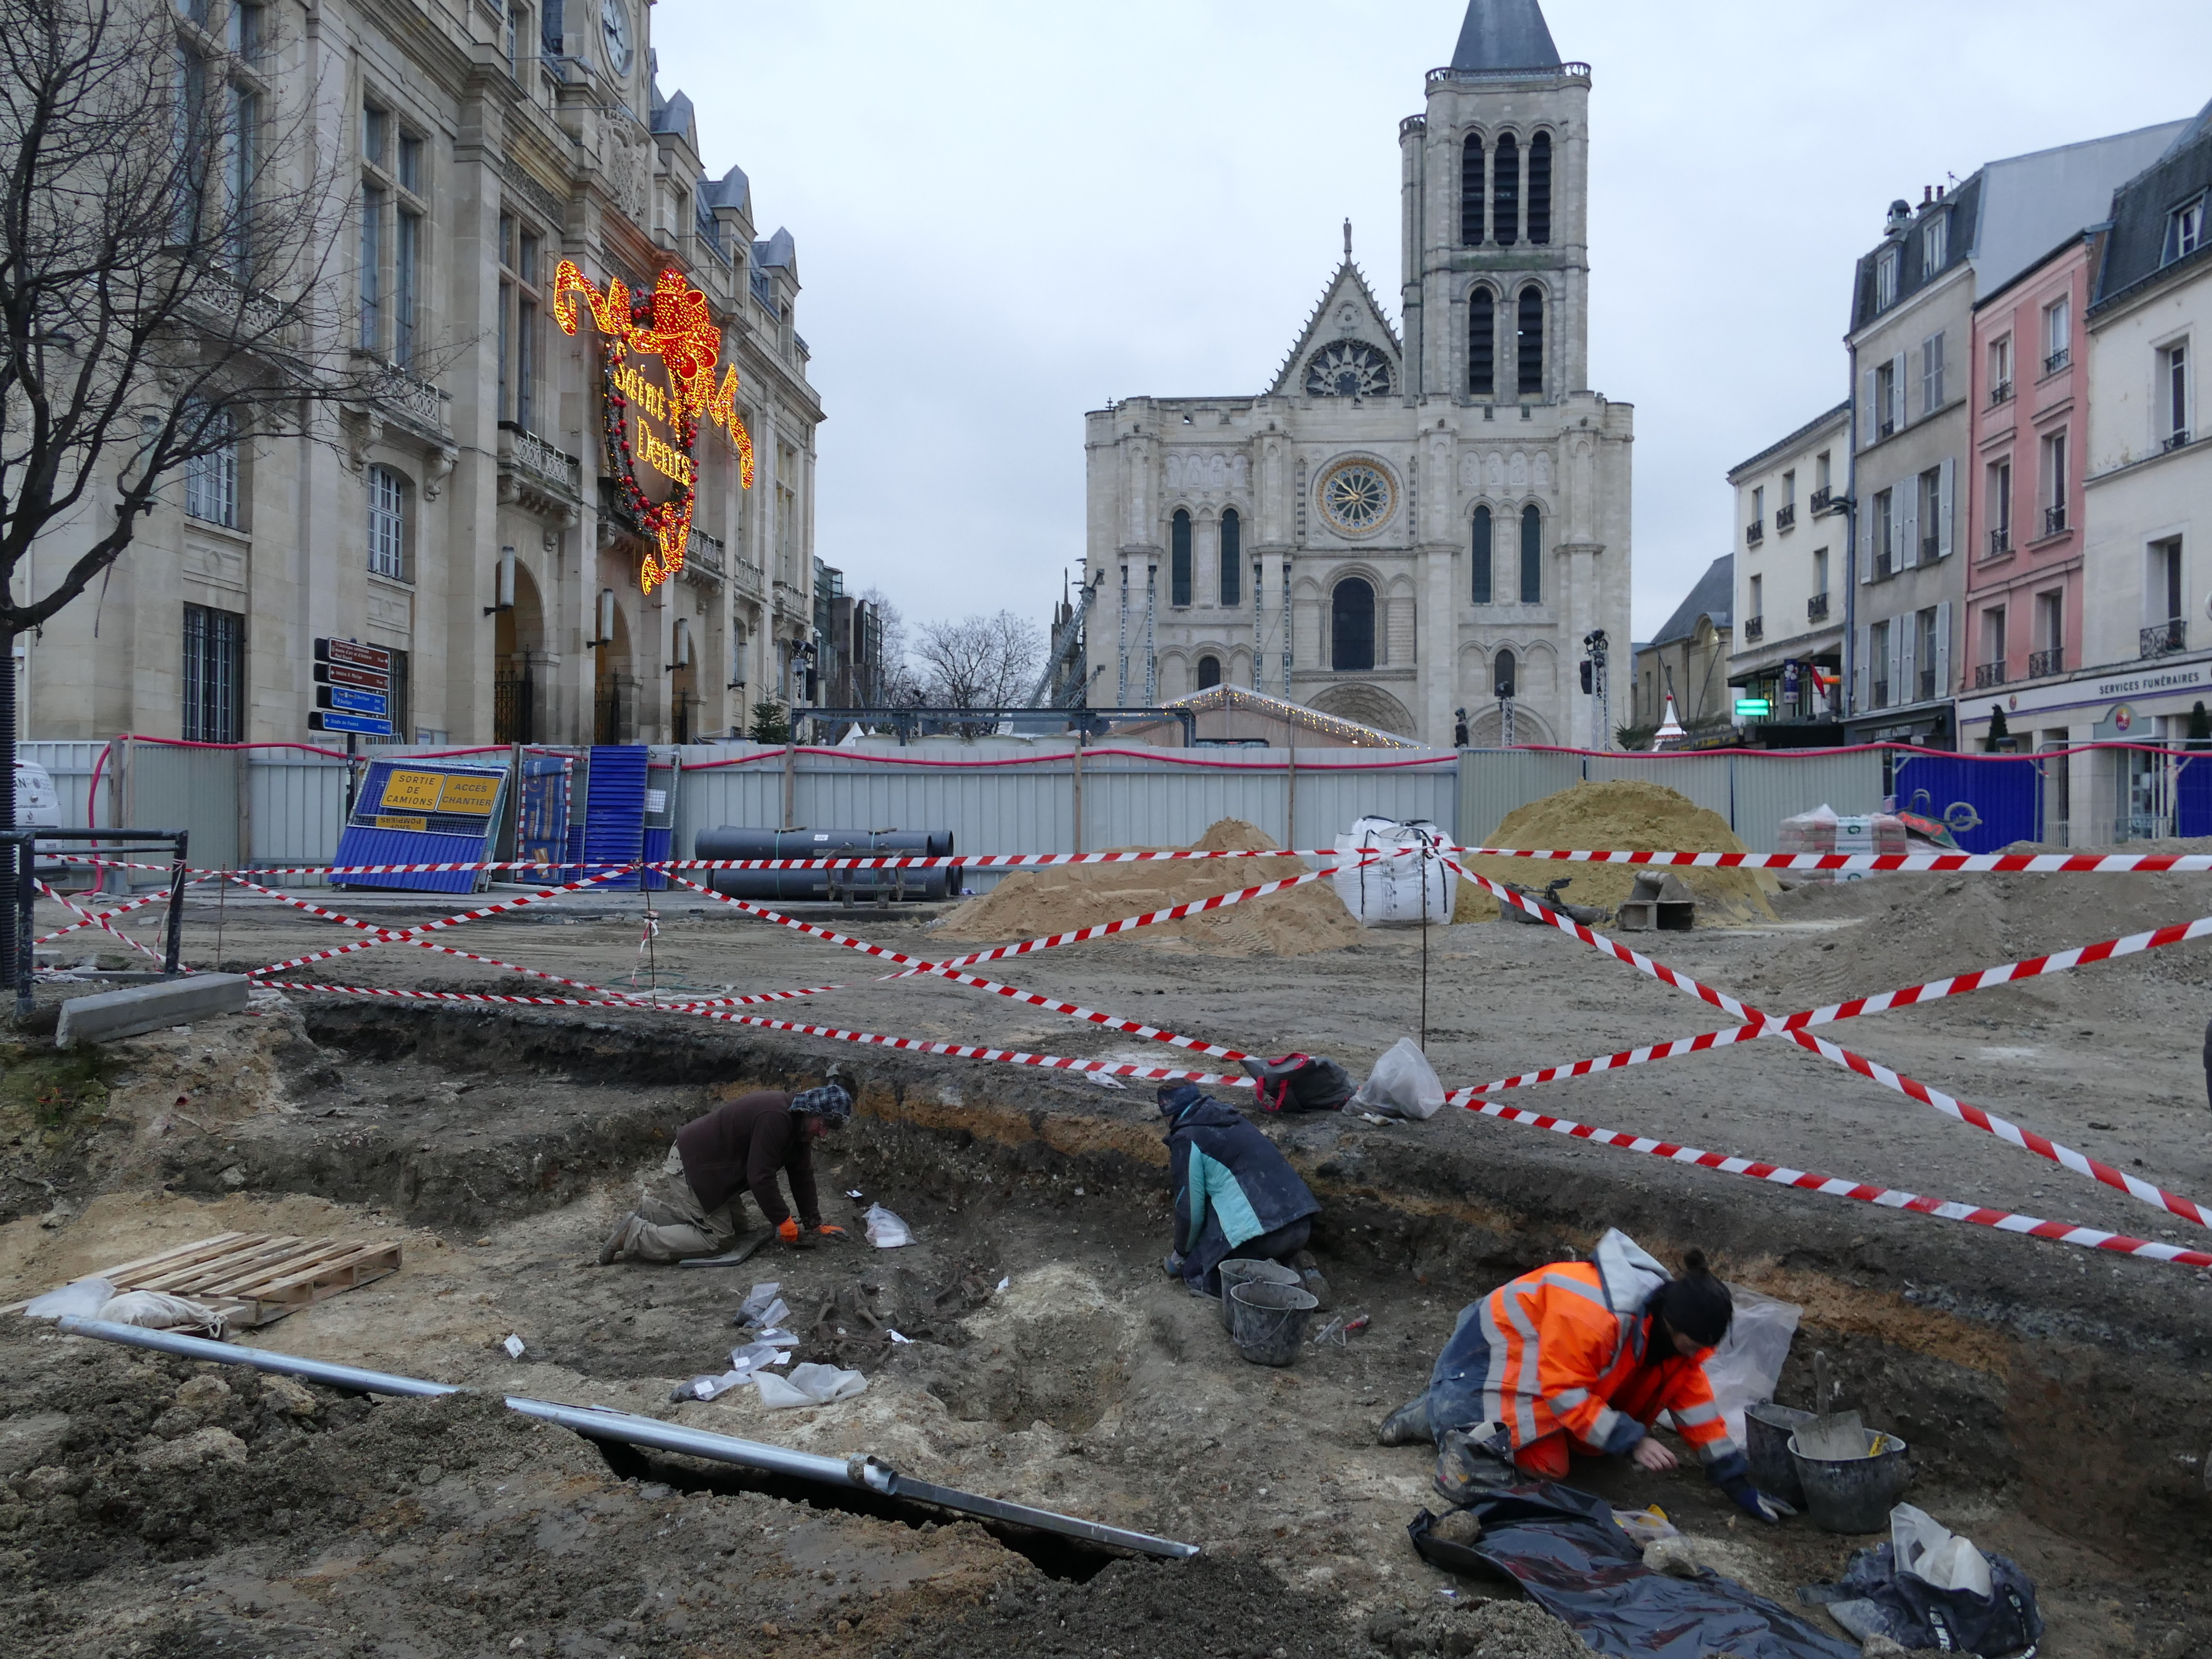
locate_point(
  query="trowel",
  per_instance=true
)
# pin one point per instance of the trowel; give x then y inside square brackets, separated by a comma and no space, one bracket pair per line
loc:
[1832,1437]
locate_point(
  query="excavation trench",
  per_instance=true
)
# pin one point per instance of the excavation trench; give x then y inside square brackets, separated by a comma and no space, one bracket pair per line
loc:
[2054,1399]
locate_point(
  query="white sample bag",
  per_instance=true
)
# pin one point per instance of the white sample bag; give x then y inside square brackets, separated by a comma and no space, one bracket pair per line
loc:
[753,1310]
[82,1299]
[807,1385]
[1747,1364]
[885,1230]
[1931,1551]
[1402,1084]
[1403,890]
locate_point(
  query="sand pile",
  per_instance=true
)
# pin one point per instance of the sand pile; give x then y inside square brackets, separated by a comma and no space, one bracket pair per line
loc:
[1295,922]
[1625,815]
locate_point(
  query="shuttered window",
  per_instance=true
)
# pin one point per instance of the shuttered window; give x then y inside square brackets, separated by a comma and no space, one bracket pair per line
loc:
[1540,189]
[1232,558]
[1531,342]
[1505,192]
[1532,556]
[1482,344]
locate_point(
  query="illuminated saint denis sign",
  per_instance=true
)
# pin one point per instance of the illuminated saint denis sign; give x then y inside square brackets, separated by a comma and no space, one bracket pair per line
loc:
[657,351]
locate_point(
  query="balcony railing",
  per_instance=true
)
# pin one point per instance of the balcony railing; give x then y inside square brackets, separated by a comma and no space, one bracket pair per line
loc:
[1784,517]
[1755,532]
[523,448]
[1816,608]
[1881,694]
[2001,393]
[1931,549]
[2176,441]
[1926,682]
[1821,498]
[1987,674]
[2040,663]
[2054,519]
[1884,563]
[1887,428]
[2162,639]
[2057,359]
[1754,629]
[2001,541]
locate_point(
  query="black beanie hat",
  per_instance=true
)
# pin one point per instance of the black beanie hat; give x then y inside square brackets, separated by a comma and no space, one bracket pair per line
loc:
[1697,1304]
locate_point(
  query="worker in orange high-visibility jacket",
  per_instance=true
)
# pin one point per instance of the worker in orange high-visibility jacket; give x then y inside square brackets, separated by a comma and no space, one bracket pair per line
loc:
[1581,1357]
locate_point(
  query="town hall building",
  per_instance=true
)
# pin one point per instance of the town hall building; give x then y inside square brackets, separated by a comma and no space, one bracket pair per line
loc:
[1412,520]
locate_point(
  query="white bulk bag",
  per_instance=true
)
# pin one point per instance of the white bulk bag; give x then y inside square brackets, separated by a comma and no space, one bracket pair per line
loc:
[1390,891]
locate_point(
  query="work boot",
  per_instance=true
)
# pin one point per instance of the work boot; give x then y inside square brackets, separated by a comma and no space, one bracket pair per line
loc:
[1467,1465]
[618,1239]
[1408,1425]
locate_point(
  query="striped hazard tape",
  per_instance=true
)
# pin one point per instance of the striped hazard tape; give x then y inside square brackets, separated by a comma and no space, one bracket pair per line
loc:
[1949,1105]
[401,936]
[2080,864]
[636,1004]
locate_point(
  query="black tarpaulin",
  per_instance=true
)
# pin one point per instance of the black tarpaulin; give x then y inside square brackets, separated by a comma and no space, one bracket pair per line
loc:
[1562,1546]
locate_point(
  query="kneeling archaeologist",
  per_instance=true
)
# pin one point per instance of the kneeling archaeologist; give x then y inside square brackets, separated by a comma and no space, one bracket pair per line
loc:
[694,1208]
[1234,1194]
[1582,1357]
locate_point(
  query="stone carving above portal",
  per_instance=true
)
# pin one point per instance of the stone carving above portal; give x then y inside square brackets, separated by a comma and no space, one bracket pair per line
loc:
[1194,471]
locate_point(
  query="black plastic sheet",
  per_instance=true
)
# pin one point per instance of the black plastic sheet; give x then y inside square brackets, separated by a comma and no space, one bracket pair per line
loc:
[1562,1547]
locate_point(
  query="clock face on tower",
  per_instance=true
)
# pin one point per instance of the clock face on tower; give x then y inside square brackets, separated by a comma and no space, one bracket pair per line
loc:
[1350,368]
[614,29]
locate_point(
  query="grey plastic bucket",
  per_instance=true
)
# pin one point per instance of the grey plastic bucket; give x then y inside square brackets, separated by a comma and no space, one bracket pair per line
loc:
[1854,1494]
[1766,1431]
[1243,1270]
[1271,1320]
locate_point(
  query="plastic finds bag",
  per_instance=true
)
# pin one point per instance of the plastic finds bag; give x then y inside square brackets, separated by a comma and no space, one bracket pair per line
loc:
[159,1310]
[885,1230]
[1746,1365]
[1402,1084]
[1928,1550]
[808,1385]
[754,1309]
[1395,888]
[81,1300]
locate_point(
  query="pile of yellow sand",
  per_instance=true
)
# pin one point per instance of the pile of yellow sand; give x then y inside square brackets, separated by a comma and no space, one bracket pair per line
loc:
[1624,816]
[1058,898]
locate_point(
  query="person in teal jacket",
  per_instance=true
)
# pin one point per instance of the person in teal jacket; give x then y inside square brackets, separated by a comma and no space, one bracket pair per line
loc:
[1234,1194]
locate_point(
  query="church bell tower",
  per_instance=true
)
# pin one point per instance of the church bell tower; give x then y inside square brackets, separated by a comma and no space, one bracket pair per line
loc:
[1496,207]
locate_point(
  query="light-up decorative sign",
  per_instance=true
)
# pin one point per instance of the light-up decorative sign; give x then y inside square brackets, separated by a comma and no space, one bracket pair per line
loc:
[652,418]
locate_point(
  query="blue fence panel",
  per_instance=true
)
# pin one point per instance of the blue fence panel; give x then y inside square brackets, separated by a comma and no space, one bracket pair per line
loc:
[411,811]
[614,810]
[2192,796]
[1988,802]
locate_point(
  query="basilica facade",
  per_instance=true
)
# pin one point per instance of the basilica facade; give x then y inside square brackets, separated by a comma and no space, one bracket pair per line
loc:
[1416,524]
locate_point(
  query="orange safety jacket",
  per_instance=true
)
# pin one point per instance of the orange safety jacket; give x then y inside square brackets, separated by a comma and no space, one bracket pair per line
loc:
[1567,1348]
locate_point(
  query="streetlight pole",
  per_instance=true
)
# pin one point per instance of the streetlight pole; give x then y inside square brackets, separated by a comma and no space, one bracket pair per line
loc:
[1594,649]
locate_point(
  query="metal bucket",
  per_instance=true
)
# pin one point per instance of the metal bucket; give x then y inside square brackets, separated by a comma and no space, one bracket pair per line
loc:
[1854,1494]
[1766,1431]
[1242,1270]
[1271,1321]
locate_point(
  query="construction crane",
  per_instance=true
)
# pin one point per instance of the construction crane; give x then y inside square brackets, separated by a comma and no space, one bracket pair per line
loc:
[1062,685]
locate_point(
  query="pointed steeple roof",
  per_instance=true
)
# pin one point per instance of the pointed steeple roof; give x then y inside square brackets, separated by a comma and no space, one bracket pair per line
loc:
[1504,35]
[1348,310]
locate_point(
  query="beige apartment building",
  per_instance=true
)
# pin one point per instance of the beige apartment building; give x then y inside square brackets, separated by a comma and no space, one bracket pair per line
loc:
[1788,643]
[469,518]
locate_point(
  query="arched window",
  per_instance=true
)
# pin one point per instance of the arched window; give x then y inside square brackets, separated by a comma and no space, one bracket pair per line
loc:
[1531,343]
[1532,556]
[1540,188]
[1209,672]
[1482,556]
[1502,675]
[1482,344]
[387,523]
[1179,559]
[1232,561]
[1505,192]
[1352,626]
[1470,191]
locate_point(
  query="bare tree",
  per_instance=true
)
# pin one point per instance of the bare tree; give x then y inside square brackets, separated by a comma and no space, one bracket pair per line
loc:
[166,245]
[979,662]
[900,682]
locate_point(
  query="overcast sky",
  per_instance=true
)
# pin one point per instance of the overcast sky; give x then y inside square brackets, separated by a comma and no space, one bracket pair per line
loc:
[1008,214]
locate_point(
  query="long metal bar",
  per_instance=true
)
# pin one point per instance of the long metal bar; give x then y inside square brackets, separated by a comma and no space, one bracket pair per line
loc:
[600,1423]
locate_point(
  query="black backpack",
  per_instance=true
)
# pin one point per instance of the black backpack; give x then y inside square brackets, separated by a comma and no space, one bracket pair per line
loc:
[1915,1614]
[1299,1083]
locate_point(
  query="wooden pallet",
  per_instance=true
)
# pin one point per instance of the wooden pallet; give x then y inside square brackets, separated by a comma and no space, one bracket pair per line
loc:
[254,1279]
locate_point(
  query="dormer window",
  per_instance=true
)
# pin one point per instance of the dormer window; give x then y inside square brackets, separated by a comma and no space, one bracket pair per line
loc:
[1884,278]
[2185,231]
[1934,244]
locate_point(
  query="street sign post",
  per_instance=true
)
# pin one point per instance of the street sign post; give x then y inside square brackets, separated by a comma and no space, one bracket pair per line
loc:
[353,691]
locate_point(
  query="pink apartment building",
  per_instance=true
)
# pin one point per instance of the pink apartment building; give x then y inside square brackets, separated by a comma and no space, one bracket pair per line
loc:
[2029,418]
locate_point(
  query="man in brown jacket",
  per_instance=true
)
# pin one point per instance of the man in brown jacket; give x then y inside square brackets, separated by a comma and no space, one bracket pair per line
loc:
[694,1209]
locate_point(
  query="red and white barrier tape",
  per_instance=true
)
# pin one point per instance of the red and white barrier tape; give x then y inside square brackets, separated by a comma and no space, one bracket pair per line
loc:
[634,1004]
[103,921]
[1949,1105]
[1889,1198]
[1976,863]
[947,862]
[388,936]
[1134,1028]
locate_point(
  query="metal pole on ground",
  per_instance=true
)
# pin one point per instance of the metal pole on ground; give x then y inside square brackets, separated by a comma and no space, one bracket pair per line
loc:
[173,942]
[1082,731]
[790,780]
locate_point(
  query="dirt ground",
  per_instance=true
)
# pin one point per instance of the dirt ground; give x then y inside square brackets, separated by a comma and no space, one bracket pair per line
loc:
[498,1144]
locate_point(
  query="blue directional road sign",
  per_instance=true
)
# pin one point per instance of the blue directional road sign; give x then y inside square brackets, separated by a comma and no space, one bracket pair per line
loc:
[330,721]
[353,701]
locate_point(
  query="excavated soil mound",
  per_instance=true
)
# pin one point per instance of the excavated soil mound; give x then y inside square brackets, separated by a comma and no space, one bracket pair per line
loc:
[1295,922]
[1626,815]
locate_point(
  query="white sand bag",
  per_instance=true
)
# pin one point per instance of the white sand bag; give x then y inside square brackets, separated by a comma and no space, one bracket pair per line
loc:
[1402,1084]
[807,1385]
[160,1311]
[82,1299]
